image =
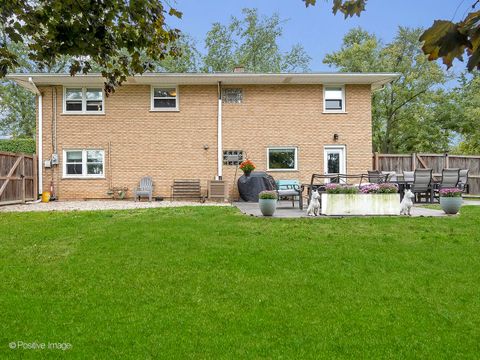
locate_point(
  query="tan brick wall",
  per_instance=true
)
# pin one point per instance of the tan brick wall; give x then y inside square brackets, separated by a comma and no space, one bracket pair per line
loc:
[170,145]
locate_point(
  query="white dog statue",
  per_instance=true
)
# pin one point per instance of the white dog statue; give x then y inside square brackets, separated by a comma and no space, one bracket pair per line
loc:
[314,206]
[407,202]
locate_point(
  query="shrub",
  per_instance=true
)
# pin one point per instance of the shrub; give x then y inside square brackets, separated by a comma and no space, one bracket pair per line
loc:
[268,194]
[26,146]
[450,192]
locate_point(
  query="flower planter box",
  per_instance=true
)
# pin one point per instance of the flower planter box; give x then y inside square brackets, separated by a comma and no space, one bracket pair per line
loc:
[360,204]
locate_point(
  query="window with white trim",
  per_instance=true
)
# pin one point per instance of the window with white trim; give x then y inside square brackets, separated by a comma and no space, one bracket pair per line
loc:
[86,163]
[282,158]
[334,99]
[83,100]
[164,98]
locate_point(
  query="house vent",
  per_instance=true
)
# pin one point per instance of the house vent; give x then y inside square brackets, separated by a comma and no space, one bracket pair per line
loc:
[232,157]
[216,189]
[232,96]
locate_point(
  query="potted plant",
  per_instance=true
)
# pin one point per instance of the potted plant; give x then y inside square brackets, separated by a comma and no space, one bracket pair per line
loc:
[247,166]
[267,200]
[450,200]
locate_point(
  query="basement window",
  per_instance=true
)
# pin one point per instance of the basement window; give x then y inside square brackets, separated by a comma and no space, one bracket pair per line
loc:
[83,100]
[83,163]
[232,157]
[334,99]
[164,98]
[232,96]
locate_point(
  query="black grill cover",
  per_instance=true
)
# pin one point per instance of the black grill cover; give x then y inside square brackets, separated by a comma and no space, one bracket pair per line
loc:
[250,186]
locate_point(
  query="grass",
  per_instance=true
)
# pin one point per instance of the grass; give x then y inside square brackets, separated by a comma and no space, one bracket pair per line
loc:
[212,283]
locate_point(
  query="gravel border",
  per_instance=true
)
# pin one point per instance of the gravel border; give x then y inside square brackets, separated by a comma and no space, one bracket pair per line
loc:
[94,205]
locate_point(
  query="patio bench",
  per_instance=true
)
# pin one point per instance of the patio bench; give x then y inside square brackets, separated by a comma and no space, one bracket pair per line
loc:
[187,189]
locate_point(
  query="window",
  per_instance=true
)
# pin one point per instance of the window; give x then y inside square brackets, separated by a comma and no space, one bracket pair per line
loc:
[282,158]
[232,96]
[83,100]
[232,157]
[334,99]
[83,163]
[164,99]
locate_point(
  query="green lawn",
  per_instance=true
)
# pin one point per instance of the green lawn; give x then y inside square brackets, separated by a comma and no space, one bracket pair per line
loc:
[212,283]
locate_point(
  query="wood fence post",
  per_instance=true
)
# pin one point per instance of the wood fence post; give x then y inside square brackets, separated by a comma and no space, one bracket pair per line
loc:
[22,175]
[35,179]
[414,161]
[446,163]
[375,163]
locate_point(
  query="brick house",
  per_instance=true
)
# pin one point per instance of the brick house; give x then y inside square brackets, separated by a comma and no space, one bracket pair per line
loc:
[184,126]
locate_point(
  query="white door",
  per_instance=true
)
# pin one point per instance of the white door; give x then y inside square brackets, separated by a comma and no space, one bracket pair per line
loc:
[334,160]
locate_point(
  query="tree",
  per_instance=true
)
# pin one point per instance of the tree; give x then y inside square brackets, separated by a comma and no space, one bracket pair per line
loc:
[444,39]
[251,41]
[404,111]
[465,113]
[17,105]
[111,33]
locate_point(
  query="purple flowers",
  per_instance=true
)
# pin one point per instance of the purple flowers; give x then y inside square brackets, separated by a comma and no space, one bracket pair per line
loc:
[450,192]
[384,188]
[340,189]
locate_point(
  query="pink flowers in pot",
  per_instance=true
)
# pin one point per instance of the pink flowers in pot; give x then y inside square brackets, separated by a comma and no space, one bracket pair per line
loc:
[450,192]
[384,188]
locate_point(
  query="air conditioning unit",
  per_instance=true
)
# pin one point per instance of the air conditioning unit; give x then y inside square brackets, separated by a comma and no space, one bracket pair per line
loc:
[217,189]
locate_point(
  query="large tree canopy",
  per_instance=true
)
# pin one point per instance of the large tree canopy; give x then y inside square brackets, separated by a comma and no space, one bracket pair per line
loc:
[251,41]
[405,112]
[113,34]
[445,39]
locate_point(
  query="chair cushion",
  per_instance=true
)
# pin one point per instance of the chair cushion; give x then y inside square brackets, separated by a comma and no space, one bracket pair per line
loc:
[288,192]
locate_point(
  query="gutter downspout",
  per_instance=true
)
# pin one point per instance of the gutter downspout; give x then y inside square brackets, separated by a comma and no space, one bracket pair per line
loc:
[219,134]
[40,135]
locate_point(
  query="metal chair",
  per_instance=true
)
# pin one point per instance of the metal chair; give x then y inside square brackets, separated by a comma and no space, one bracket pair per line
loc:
[408,176]
[463,181]
[422,185]
[290,189]
[145,188]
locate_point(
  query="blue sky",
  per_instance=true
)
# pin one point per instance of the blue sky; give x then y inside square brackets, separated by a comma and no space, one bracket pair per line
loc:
[316,28]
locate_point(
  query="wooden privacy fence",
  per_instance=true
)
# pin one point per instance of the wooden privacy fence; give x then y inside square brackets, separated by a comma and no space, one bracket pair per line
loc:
[18,178]
[437,162]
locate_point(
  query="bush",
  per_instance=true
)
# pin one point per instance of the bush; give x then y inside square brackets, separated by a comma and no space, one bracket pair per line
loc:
[26,146]
[268,194]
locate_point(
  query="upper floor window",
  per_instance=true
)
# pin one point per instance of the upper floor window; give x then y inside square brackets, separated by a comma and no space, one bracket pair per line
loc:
[232,96]
[164,98]
[83,100]
[334,99]
[83,163]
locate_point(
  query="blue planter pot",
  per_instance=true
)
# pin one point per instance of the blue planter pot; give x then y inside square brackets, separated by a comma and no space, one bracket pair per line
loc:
[267,206]
[451,205]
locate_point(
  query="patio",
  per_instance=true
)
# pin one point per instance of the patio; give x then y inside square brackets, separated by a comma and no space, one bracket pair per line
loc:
[285,210]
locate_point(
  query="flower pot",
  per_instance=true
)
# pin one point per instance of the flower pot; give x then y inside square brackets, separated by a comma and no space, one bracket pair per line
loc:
[247,173]
[451,205]
[267,206]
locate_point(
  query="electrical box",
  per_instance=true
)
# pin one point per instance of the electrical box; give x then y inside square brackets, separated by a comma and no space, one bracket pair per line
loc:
[48,164]
[54,159]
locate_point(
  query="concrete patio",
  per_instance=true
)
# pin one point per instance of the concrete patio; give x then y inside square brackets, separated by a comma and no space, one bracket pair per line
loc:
[285,210]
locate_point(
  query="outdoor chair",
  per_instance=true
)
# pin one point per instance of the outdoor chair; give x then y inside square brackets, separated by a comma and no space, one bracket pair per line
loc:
[409,176]
[463,181]
[422,185]
[450,179]
[289,189]
[390,175]
[375,177]
[145,188]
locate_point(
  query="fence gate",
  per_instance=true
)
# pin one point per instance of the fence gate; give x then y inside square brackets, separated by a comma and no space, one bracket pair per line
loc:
[18,178]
